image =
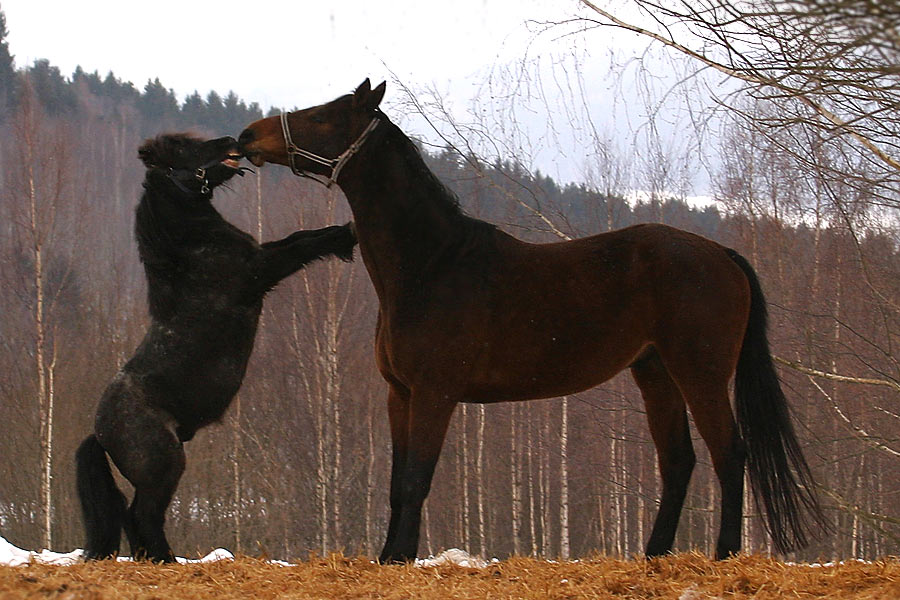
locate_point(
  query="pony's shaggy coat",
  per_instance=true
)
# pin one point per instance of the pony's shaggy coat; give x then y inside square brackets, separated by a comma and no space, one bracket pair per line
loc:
[206,282]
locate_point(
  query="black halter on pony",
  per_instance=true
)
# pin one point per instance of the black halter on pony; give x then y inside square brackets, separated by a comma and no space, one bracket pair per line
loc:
[181,177]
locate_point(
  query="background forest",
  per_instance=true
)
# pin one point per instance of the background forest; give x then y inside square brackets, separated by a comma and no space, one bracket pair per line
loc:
[301,462]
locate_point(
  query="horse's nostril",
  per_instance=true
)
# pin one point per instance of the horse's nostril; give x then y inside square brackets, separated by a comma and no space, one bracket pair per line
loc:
[246,137]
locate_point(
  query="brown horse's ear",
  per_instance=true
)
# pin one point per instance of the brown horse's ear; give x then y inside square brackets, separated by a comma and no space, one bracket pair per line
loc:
[376,95]
[147,153]
[366,98]
[363,89]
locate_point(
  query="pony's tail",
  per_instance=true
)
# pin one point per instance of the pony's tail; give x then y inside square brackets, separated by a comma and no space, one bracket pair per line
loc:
[102,504]
[782,484]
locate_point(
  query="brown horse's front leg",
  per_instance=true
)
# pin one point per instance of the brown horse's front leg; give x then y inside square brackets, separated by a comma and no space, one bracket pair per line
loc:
[398,414]
[428,417]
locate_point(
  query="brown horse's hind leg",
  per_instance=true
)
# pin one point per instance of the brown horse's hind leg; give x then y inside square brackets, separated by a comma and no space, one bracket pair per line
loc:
[667,418]
[711,409]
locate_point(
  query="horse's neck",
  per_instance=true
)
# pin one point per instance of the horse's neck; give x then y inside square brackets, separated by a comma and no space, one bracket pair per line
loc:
[403,216]
[164,223]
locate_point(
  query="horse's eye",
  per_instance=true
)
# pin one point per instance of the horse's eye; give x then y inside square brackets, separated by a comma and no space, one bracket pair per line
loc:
[317,119]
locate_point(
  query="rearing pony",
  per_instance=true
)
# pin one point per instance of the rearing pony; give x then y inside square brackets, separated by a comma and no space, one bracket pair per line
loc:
[469,313]
[206,280]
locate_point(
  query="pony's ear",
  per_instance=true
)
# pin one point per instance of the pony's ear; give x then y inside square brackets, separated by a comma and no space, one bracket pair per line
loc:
[147,153]
[366,98]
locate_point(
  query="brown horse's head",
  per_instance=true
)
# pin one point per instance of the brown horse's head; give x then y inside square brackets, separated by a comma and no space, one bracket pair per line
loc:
[326,131]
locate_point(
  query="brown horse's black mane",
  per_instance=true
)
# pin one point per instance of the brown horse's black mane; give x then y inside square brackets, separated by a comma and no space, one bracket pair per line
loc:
[428,188]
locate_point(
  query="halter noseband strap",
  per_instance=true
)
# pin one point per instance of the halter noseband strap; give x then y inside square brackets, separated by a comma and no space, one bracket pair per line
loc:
[180,176]
[335,164]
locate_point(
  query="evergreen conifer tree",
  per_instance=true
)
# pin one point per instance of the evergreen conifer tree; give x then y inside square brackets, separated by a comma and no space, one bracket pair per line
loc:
[7,69]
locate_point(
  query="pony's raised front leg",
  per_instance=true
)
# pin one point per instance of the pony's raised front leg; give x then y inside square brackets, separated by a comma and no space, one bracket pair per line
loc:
[283,257]
[429,416]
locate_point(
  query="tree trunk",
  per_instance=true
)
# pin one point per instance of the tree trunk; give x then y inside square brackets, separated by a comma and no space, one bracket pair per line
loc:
[544,482]
[236,473]
[531,514]
[479,479]
[45,395]
[564,482]
[370,480]
[465,476]
[515,476]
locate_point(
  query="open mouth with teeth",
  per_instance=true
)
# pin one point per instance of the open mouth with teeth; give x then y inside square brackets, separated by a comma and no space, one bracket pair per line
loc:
[233,160]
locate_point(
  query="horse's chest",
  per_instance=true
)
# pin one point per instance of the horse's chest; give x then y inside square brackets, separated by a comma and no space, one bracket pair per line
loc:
[410,345]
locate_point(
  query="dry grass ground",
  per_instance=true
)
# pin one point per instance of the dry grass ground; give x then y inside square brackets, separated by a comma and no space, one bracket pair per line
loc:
[684,577]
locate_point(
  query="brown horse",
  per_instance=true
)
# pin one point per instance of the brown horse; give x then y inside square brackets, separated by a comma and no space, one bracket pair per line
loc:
[468,313]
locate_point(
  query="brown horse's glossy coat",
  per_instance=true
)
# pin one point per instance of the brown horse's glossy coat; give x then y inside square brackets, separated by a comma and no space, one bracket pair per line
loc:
[469,313]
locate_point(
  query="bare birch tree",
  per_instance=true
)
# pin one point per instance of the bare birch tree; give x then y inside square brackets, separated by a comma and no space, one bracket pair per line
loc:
[42,182]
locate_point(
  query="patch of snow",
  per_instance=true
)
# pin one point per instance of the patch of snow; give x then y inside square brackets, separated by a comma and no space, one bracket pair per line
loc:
[453,556]
[48,557]
[829,563]
[13,556]
[214,556]
[280,563]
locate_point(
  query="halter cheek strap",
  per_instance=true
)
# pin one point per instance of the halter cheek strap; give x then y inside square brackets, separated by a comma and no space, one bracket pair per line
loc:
[335,164]
[180,177]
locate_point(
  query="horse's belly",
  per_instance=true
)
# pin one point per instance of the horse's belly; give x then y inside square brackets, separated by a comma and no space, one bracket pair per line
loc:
[551,370]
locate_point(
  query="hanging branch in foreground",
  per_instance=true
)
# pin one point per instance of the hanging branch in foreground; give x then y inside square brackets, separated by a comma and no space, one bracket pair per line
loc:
[833,65]
[836,377]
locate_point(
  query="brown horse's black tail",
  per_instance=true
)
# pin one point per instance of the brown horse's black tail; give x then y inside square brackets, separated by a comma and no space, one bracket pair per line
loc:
[780,478]
[102,504]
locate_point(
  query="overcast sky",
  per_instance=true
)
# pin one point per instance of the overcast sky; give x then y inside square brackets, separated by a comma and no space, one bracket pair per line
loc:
[298,53]
[277,53]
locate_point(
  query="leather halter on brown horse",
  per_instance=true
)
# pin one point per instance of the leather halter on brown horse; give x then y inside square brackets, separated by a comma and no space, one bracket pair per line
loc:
[469,313]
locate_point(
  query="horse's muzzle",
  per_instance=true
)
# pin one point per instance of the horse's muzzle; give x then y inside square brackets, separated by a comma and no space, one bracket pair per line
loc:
[245,144]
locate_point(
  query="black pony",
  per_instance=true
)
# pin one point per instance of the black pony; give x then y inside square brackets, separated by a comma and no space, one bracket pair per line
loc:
[206,282]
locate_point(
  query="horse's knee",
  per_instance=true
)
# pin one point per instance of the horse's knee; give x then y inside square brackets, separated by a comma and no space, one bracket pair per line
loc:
[677,473]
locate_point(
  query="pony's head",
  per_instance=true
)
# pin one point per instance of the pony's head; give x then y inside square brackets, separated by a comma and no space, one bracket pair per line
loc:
[194,165]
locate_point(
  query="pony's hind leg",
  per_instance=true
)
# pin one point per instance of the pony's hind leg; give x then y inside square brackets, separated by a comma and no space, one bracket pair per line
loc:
[154,488]
[667,418]
[144,447]
[148,515]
